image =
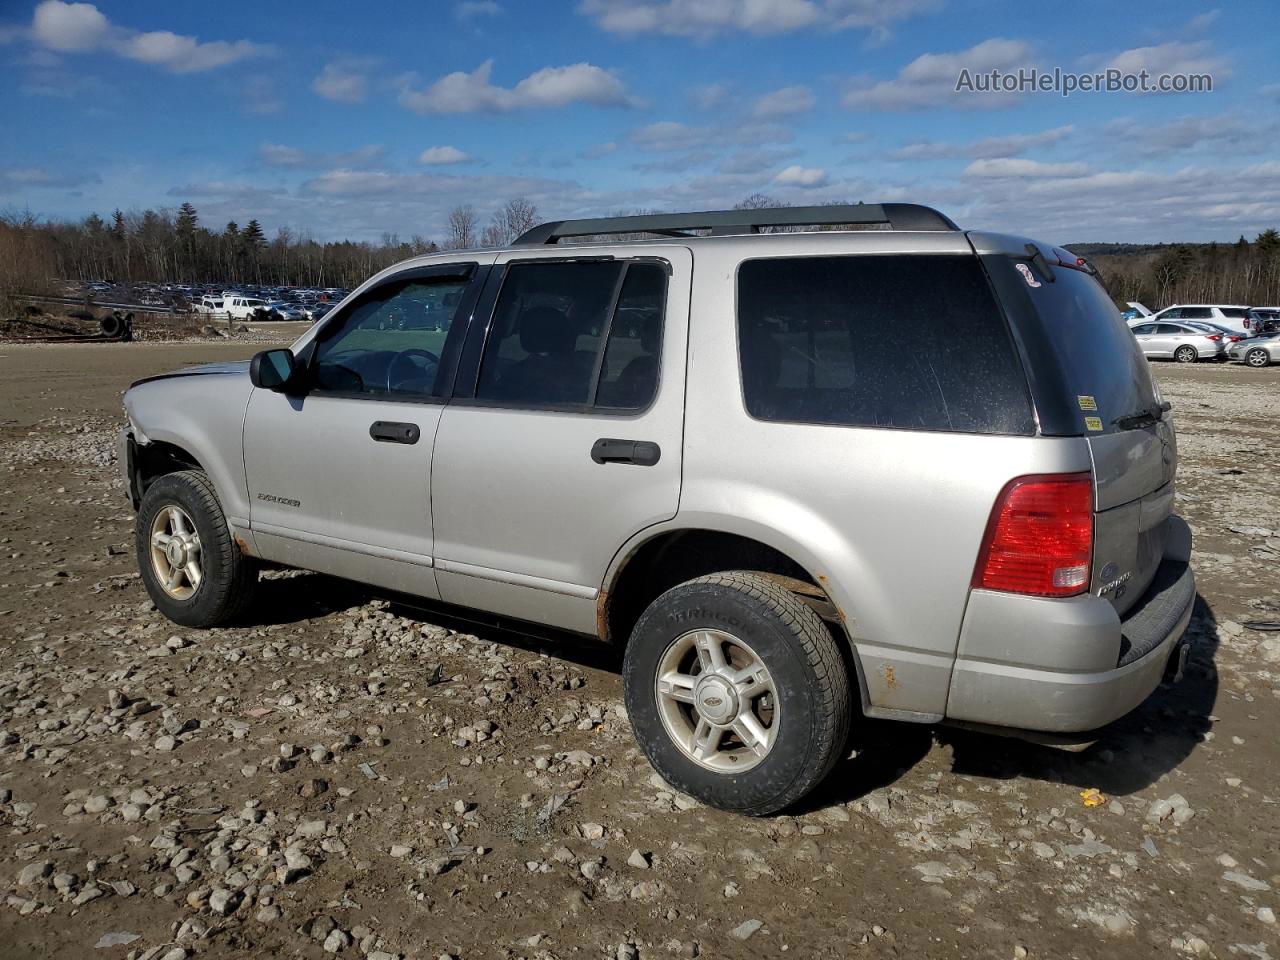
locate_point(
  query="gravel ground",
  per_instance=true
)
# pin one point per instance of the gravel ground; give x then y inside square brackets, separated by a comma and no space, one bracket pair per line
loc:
[340,777]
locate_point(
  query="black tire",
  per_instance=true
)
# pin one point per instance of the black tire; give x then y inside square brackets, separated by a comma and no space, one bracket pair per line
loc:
[1257,357]
[1186,354]
[812,683]
[229,577]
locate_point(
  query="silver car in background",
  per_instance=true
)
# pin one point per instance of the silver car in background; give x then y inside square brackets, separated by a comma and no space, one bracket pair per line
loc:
[1178,341]
[1257,352]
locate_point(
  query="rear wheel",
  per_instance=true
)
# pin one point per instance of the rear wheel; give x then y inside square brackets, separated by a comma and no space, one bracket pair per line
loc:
[1257,357]
[1186,354]
[191,567]
[737,692]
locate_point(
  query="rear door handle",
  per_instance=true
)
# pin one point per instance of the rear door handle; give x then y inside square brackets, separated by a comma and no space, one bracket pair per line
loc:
[643,453]
[389,431]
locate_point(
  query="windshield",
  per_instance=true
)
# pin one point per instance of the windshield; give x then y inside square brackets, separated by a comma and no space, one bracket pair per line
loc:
[1088,370]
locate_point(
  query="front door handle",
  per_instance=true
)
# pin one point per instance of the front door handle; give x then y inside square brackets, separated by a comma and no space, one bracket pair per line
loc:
[389,431]
[644,453]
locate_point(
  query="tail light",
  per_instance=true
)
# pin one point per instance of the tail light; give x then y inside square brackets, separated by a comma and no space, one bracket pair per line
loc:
[1215,336]
[1039,540]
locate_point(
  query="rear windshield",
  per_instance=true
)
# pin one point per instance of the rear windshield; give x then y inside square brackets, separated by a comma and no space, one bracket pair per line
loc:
[1086,367]
[908,342]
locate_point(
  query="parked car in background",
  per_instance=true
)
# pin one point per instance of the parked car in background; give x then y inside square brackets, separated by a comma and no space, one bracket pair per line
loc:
[1257,351]
[280,310]
[1178,341]
[1232,317]
[208,305]
[317,310]
[243,308]
[764,603]
[1264,320]
[1228,335]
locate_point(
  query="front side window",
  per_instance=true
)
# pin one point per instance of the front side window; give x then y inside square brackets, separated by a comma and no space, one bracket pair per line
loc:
[582,334]
[1144,330]
[390,342]
[908,342]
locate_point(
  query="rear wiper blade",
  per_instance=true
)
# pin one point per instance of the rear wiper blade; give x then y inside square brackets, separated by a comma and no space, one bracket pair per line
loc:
[1143,418]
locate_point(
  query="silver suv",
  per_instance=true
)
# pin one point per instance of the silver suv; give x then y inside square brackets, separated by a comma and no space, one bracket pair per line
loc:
[702,447]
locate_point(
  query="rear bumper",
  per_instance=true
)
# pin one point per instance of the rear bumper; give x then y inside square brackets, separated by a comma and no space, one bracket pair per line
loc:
[1071,665]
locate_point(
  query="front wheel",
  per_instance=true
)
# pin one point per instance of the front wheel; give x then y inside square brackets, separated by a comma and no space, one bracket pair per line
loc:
[191,567]
[737,692]
[1186,355]
[1257,357]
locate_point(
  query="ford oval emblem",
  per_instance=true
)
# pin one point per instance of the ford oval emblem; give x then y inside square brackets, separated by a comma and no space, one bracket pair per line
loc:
[1109,572]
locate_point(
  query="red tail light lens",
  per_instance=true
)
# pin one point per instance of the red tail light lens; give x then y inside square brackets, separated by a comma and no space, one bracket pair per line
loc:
[1215,336]
[1039,539]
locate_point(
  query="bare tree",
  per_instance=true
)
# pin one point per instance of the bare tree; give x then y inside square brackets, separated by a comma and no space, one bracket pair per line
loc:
[513,219]
[462,228]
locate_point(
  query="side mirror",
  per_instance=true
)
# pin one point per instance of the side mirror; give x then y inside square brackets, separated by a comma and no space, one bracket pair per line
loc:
[276,370]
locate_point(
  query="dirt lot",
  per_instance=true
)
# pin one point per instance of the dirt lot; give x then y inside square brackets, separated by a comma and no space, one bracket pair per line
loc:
[339,777]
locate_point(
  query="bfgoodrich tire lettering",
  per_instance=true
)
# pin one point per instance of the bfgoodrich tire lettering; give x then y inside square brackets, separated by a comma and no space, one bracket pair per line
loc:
[806,672]
[227,577]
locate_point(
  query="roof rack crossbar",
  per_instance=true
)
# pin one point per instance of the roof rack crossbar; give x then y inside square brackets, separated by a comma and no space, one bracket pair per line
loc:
[898,216]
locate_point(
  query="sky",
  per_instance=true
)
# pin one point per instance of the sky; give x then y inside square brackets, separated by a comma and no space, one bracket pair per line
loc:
[341,120]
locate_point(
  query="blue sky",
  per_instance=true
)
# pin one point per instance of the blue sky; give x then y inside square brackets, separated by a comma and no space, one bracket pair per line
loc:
[354,120]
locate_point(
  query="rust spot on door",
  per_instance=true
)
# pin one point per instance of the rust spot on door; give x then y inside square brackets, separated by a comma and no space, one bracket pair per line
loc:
[890,678]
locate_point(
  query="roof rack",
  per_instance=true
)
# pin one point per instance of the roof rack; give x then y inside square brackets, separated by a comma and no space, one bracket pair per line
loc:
[899,216]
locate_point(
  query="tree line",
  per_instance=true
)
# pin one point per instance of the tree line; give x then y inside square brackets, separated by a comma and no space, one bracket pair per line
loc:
[164,246]
[1244,272]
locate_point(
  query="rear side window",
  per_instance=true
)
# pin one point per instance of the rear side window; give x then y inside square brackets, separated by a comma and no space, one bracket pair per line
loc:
[1238,313]
[582,334]
[908,342]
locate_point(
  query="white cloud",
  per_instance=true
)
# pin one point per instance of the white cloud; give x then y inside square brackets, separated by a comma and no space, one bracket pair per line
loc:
[280,155]
[798,176]
[708,96]
[706,18]
[442,156]
[1252,134]
[1010,145]
[1020,168]
[345,81]
[473,9]
[260,96]
[930,79]
[784,103]
[82,28]
[1170,58]
[463,92]
[70,27]
[924,150]
[669,135]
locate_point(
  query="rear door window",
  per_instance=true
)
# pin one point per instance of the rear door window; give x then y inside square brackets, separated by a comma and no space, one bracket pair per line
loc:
[913,342]
[1196,313]
[575,335]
